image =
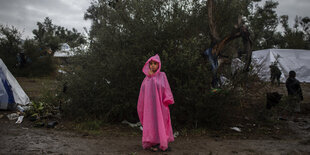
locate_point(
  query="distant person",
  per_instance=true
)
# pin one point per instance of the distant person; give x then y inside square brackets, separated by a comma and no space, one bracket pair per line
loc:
[21,59]
[153,107]
[294,91]
[275,73]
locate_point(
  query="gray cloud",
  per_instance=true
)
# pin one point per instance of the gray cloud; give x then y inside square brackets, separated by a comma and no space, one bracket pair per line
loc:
[24,14]
[293,8]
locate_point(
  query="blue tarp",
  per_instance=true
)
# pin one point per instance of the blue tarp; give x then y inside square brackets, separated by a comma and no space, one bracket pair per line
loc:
[214,64]
[7,94]
[212,58]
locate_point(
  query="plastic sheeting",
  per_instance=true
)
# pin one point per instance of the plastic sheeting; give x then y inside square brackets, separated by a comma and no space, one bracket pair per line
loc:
[20,96]
[289,59]
[6,94]
[153,110]
[65,51]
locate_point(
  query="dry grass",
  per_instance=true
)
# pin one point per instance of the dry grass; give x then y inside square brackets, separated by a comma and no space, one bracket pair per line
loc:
[35,87]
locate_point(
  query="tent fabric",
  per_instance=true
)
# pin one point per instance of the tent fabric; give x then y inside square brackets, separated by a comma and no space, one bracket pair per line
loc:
[153,110]
[65,51]
[6,93]
[289,59]
[10,87]
[4,97]
[64,54]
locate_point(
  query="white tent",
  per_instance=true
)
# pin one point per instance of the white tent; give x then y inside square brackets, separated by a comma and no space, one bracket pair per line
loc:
[65,51]
[289,59]
[10,91]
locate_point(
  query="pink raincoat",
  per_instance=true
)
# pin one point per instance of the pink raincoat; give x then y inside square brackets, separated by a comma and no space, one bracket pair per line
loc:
[155,96]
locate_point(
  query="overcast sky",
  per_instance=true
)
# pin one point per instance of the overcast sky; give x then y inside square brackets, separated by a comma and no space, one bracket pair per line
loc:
[24,14]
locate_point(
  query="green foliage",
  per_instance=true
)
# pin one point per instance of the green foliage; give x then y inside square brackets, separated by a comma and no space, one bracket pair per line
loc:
[104,83]
[50,36]
[38,106]
[10,42]
[45,35]
[90,125]
[263,23]
[37,63]
[39,110]
[189,76]
[46,106]
[218,109]
[227,12]
[73,38]
[295,38]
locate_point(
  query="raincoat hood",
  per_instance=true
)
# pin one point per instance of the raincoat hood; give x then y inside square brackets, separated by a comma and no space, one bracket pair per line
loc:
[146,67]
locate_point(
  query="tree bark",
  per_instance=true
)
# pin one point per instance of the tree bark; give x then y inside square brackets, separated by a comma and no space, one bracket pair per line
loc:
[217,44]
[240,30]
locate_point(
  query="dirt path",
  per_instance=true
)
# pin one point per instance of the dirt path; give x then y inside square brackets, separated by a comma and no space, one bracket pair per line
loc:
[16,139]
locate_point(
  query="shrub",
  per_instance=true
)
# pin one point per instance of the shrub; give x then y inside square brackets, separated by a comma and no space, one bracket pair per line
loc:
[109,90]
[104,83]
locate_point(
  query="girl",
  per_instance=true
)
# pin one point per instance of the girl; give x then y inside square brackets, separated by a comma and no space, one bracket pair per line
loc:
[155,96]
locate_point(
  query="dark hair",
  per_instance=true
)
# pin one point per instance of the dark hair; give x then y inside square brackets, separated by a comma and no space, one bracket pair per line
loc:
[292,74]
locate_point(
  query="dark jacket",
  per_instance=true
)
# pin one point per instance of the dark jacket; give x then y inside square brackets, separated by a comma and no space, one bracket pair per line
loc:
[275,71]
[293,88]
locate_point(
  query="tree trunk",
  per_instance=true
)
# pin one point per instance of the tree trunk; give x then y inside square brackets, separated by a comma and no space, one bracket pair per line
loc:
[217,44]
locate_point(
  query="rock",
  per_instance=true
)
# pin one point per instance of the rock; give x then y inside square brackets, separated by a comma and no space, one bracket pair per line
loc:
[52,124]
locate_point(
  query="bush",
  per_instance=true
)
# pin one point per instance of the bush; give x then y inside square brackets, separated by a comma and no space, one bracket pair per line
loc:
[109,90]
[190,75]
[104,83]
[38,62]
[96,91]
[10,41]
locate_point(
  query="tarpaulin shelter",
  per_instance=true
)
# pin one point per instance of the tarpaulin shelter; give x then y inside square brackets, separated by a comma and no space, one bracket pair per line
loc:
[65,51]
[11,93]
[288,59]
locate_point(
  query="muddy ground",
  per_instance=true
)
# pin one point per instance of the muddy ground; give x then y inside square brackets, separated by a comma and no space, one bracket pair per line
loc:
[17,139]
[25,139]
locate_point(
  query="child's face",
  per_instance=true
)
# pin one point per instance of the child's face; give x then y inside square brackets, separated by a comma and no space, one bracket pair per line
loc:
[153,66]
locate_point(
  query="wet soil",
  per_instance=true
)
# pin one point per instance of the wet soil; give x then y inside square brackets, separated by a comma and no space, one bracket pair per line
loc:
[25,139]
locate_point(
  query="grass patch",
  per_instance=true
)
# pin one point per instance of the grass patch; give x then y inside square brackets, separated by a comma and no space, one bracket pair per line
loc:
[37,87]
[90,127]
